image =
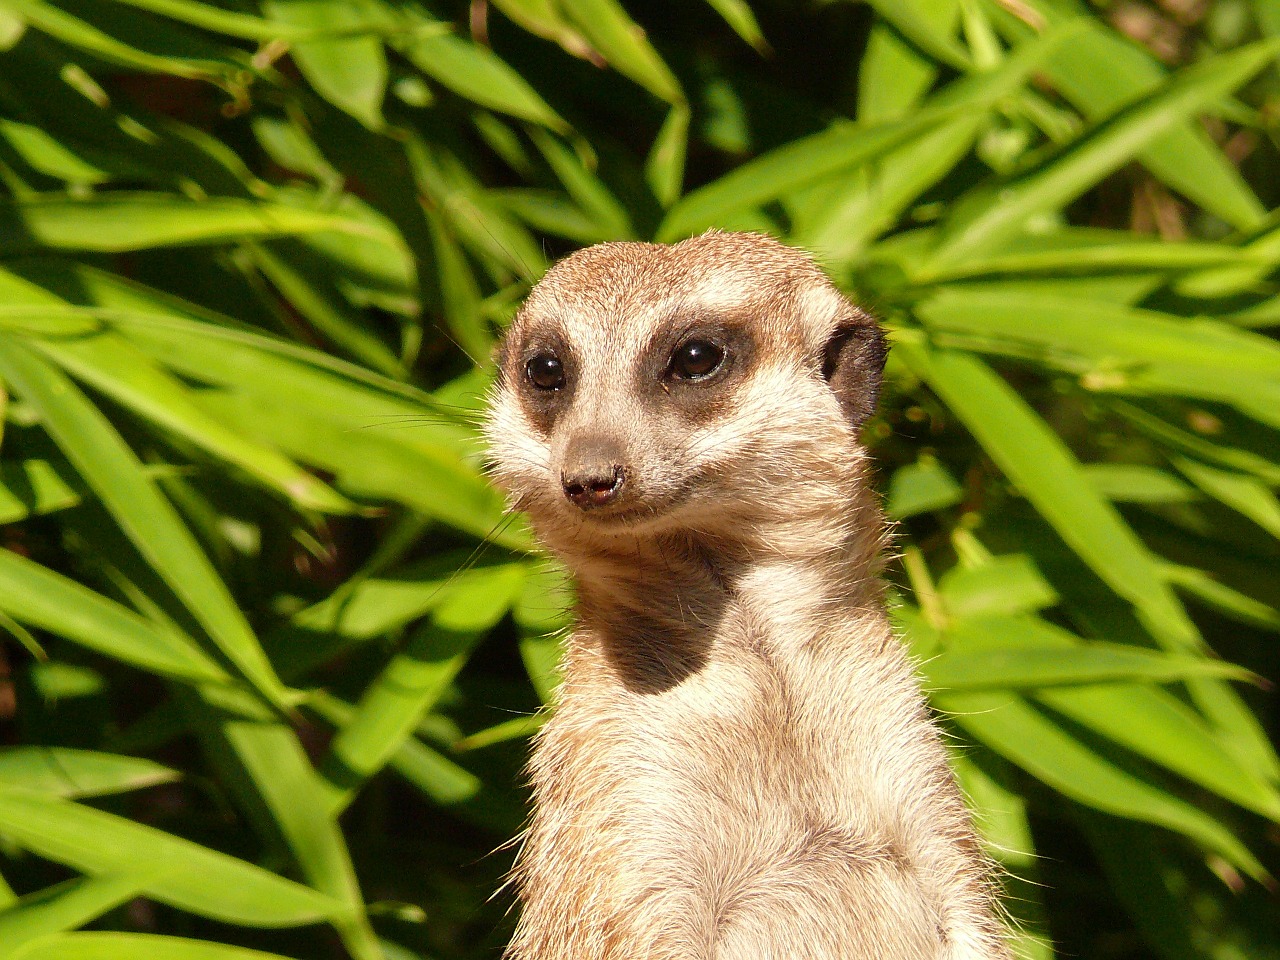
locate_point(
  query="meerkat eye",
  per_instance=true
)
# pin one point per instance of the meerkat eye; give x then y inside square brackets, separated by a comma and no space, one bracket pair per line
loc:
[695,360]
[545,371]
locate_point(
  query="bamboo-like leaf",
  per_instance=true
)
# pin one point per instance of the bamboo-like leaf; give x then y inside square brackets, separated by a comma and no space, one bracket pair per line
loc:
[64,907]
[737,13]
[1005,584]
[586,189]
[623,43]
[112,470]
[1017,667]
[65,772]
[264,761]
[78,33]
[181,873]
[1102,72]
[664,167]
[349,72]
[35,486]
[1146,720]
[1029,738]
[414,679]
[988,221]
[130,946]
[1241,492]
[1048,475]
[922,27]
[115,222]
[111,364]
[1114,347]
[842,147]
[35,595]
[475,72]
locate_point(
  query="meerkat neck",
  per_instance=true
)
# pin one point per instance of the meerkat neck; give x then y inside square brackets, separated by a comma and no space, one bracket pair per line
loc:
[662,606]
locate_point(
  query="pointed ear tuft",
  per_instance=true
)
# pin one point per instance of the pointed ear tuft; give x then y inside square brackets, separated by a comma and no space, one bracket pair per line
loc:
[852,364]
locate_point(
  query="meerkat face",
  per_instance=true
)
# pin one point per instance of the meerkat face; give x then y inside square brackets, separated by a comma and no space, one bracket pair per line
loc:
[648,387]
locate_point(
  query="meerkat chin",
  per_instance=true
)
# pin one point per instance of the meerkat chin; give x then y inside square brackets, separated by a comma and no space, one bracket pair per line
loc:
[740,765]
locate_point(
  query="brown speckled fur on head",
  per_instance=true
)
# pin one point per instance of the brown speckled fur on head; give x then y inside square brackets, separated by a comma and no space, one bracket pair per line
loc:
[740,765]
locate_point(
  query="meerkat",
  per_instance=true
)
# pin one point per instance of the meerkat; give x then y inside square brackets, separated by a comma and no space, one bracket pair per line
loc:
[740,764]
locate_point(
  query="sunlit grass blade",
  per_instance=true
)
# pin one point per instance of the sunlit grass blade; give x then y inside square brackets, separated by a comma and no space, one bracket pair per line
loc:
[737,13]
[114,222]
[65,906]
[986,221]
[263,760]
[477,73]
[1104,71]
[111,364]
[1046,472]
[1032,740]
[623,43]
[37,596]
[78,33]
[350,72]
[414,679]
[67,772]
[115,474]
[180,873]
[35,486]
[131,946]
[842,147]
[1114,348]
[1019,668]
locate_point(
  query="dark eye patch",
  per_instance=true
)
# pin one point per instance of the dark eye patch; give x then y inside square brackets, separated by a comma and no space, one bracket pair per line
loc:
[692,363]
[543,371]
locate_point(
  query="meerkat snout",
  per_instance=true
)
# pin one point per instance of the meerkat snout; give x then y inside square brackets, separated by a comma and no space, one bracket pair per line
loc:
[593,474]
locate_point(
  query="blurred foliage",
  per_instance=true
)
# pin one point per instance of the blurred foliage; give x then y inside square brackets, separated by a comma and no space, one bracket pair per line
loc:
[276,650]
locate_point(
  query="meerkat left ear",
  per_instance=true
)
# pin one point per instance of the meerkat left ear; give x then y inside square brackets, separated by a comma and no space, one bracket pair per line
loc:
[852,363]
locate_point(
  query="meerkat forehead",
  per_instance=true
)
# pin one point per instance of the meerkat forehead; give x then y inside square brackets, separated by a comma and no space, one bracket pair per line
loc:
[616,295]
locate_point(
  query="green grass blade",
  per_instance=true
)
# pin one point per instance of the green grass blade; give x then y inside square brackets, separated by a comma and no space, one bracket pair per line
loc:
[181,873]
[132,946]
[349,72]
[263,760]
[112,469]
[737,13]
[842,147]
[1102,72]
[33,486]
[64,907]
[412,682]
[987,221]
[1029,738]
[66,772]
[116,222]
[477,73]
[1019,668]
[35,595]
[78,33]
[623,43]
[1046,472]
[112,365]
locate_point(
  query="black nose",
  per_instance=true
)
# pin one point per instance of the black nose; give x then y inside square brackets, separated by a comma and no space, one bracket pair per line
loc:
[592,472]
[593,487]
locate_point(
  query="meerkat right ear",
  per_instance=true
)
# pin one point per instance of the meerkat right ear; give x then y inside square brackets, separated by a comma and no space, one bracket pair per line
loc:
[852,363]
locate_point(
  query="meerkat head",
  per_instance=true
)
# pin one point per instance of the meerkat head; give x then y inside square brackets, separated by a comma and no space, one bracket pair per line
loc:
[649,388]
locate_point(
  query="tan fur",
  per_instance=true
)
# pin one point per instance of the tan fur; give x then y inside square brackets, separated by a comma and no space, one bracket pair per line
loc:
[741,765]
